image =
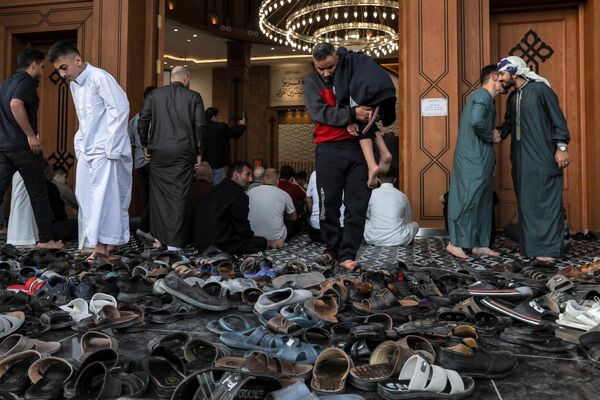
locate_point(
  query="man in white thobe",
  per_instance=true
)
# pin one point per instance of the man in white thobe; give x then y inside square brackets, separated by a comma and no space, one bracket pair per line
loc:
[103,181]
[389,216]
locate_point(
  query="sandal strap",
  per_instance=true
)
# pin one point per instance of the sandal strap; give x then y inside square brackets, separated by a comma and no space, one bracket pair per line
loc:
[230,328]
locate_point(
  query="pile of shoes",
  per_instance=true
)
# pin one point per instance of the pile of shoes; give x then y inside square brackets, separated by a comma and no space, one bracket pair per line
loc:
[294,331]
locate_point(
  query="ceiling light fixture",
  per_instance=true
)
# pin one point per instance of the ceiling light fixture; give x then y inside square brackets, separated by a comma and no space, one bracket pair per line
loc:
[224,60]
[303,23]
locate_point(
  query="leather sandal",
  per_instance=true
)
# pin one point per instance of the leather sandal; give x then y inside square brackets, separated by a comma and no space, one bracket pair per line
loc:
[13,371]
[49,376]
[14,344]
[380,301]
[385,362]
[331,371]
[261,363]
[201,354]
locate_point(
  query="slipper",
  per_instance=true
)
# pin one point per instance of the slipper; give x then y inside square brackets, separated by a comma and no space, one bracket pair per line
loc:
[57,319]
[96,382]
[385,361]
[330,371]
[174,343]
[13,371]
[296,351]
[166,371]
[93,341]
[259,339]
[17,343]
[589,343]
[276,323]
[11,322]
[421,380]
[49,375]
[529,312]
[480,289]
[201,354]
[108,317]
[78,309]
[228,324]
[260,363]
[304,280]
[536,341]
[99,300]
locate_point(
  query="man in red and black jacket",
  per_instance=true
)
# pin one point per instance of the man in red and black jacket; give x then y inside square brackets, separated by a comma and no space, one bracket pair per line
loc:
[340,164]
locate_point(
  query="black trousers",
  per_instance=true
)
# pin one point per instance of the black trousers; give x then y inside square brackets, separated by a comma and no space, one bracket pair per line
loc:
[250,246]
[144,188]
[31,168]
[293,228]
[314,234]
[342,171]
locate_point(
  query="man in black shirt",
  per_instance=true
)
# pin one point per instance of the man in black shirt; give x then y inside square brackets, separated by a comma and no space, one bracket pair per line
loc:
[222,215]
[216,142]
[20,147]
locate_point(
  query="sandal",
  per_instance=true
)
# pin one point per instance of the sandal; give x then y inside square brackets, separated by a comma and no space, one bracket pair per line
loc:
[174,311]
[276,323]
[201,354]
[93,341]
[13,371]
[77,309]
[378,302]
[108,317]
[100,300]
[421,380]
[589,343]
[259,339]
[227,325]
[11,322]
[260,363]
[96,382]
[324,308]
[385,361]
[166,371]
[331,371]
[298,352]
[14,344]
[49,376]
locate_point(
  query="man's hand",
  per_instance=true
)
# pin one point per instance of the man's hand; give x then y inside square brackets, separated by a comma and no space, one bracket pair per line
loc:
[146,154]
[34,144]
[363,113]
[562,159]
[242,121]
[497,137]
[353,129]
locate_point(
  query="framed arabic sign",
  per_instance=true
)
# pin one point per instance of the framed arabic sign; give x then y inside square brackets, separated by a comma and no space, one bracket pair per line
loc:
[287,84]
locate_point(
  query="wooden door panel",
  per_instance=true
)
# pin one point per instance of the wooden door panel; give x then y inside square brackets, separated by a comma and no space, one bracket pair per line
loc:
[548,42]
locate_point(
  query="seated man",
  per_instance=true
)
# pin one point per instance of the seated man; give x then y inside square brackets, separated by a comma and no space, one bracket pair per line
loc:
[269,206]
[389,216]
[59,178]
[222,215]
[258,177]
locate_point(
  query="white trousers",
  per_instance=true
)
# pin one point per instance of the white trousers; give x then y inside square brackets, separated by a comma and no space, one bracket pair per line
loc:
[22,228]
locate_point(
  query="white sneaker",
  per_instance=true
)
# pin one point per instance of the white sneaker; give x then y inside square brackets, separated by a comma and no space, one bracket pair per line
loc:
[579,317]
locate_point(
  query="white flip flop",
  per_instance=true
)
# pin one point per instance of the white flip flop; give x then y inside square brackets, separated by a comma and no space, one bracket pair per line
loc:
[78,309]
[100,300]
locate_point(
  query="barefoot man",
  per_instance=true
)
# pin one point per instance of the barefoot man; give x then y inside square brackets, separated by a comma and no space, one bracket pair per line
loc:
[104,162]
[470,199]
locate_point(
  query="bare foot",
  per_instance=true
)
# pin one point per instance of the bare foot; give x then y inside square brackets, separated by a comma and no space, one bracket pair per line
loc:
[86,251]
[385,162]
[485,251]
[373,172]
[276,244]
[50,245]
[109,248]
[350,265]
[456,251]
[548,260]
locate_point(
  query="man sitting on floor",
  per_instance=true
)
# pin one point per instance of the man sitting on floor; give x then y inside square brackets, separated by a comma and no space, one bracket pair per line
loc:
[222,215]
[258,177]
[389,216]
[269,206]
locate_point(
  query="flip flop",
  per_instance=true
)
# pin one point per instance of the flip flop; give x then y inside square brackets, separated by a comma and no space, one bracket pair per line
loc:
[228,324]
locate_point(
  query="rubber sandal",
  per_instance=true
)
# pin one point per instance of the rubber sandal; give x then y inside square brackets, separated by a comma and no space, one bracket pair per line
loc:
[276,323]
[324,308]
[480,289]
[96,382]
[222,384]
[108,357]
[385,361]
[49,376]
[166,371]
[529,312]
[330,371]
[10,323]
[589,343]
[382,300]
[77,309]
[174,343]
[108,317]
[230,324]
[303,280]
[201,354]
[93,341]
[547,343]
[174,311]
[317,337]
[259,339]
[559,283]
[100,300]
[13,371]
[14,344]
[421,380]
[260,363]
[296,351]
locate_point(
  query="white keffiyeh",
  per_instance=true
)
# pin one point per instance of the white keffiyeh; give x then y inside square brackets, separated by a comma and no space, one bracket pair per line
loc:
[516,66]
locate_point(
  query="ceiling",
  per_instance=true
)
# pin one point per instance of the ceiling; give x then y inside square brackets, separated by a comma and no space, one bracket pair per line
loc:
[211,51]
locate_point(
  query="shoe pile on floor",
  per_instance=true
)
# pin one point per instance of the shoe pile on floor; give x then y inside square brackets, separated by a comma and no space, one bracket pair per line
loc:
[294,332]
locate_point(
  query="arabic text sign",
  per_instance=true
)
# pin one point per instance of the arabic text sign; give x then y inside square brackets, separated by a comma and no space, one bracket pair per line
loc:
[287,84]
[434,107]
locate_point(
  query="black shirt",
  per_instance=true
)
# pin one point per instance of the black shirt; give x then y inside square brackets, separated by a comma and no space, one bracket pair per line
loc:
[222,218]
[24,87]
[216,142]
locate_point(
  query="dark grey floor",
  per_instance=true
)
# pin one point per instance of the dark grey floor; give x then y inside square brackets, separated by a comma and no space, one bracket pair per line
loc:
[539,376]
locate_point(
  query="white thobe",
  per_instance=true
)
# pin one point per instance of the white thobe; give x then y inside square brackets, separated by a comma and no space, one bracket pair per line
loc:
[22,228]
[389,218]
[104,162]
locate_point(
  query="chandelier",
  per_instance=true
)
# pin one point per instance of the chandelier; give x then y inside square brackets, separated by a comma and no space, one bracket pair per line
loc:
[367,25]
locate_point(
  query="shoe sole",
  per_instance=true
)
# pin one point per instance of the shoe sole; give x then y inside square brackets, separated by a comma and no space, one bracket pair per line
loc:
[189,300]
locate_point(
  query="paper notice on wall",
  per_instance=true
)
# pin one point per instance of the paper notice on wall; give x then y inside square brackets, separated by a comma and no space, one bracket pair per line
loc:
[434,107]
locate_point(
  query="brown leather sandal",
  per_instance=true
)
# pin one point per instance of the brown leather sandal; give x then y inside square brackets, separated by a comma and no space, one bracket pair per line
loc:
[259,363]
[284,326]
[385,362]
[331,371]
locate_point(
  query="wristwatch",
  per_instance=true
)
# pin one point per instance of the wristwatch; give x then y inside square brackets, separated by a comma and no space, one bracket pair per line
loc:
[562,146]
